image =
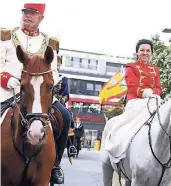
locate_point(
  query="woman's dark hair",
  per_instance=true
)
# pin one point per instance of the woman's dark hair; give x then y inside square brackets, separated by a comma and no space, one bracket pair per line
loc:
[144,41]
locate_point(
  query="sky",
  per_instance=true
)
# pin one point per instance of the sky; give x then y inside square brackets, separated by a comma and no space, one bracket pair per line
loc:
[110,27]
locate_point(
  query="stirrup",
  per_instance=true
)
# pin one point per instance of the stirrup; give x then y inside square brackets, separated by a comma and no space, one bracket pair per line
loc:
[72,150]
[52,182]
[62,174]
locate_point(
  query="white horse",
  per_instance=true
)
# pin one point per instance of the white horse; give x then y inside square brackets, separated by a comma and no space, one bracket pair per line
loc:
[143,164]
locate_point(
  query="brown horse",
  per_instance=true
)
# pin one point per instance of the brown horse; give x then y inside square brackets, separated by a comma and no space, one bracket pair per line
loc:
[27,145]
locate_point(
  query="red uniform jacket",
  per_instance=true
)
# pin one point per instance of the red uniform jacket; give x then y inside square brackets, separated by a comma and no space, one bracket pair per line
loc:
[139,76]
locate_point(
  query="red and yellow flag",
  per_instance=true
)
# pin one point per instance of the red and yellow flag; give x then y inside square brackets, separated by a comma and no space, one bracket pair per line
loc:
[113,88]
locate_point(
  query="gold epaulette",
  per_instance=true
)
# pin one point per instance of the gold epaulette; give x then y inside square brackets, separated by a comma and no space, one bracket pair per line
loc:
[5,34]
[54,43]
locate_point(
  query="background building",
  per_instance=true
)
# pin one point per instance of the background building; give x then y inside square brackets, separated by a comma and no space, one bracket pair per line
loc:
[87,73]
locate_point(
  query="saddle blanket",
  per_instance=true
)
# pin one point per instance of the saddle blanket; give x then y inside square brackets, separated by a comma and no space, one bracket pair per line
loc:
[126,126]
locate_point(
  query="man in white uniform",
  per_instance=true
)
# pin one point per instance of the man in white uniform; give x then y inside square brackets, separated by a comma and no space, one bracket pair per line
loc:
[33,42]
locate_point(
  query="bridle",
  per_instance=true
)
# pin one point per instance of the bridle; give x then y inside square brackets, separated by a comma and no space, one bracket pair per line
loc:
[166,165]
[26,120]
[37,74]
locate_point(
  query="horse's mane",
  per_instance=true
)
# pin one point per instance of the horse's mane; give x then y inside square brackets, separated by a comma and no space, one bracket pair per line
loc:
[36,64]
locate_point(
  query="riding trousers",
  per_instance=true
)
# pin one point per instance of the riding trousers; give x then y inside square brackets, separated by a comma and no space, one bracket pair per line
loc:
[62,140]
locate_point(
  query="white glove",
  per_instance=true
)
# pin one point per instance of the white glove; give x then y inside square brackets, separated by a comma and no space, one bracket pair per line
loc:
[13,83]
[147,93]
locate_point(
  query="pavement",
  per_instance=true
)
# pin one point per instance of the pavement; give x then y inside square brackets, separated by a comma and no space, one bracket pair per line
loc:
[85,170]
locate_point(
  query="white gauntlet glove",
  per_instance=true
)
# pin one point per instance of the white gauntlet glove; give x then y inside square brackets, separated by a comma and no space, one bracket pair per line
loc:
[147,93]
[13,83]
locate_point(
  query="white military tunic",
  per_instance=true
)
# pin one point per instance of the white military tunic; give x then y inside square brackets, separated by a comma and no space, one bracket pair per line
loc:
[10,63]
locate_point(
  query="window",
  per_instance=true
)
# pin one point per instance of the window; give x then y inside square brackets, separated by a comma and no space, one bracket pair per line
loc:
[90,88]
[68,62]
[85,87]
[84,63]
[74,86]
[112,67]
[93,64]
[98,87]
[76,62]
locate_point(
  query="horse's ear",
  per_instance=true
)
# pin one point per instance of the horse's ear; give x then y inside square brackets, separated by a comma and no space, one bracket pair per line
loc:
[49,55]
[21,55]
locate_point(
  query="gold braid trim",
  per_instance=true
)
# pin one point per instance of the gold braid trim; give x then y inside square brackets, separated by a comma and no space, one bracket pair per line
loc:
[40,52]
[5,34]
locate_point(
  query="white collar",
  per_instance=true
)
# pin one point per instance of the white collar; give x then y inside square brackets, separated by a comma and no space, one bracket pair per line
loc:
[78,125]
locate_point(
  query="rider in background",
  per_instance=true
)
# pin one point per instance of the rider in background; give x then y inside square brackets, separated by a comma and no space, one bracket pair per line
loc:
[79,133]
[61,94]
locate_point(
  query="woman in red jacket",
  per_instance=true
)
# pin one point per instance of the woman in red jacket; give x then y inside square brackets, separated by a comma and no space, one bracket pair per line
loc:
[142,78]
[144,89]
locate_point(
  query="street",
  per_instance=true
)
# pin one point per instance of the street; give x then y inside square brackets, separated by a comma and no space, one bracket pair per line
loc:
[85,171]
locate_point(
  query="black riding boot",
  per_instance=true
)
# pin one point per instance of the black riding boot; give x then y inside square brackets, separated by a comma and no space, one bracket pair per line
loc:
[57,175]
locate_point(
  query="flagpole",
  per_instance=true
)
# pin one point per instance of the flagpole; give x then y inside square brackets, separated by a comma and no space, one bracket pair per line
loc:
[101,106]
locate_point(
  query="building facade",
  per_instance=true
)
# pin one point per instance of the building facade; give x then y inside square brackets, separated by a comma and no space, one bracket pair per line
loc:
[87,73]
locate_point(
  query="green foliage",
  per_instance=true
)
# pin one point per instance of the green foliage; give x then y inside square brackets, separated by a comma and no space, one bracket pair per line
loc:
[112,113]
[117,110]
[162,59]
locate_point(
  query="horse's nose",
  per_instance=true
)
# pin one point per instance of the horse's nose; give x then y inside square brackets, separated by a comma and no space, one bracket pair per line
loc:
[36,129]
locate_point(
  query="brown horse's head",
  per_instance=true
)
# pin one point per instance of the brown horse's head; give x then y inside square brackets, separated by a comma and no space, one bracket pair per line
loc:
[36,92]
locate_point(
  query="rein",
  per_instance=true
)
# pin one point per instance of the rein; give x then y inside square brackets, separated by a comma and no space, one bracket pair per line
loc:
[26,159]
[166,165]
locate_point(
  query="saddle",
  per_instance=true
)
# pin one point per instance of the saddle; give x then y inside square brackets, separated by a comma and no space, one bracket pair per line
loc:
[56,120]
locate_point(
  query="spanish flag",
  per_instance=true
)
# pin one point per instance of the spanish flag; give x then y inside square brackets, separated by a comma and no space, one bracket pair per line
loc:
[113,88]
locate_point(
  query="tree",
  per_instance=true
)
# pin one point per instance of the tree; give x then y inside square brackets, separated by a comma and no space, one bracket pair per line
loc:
[117,110]
[162,59]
